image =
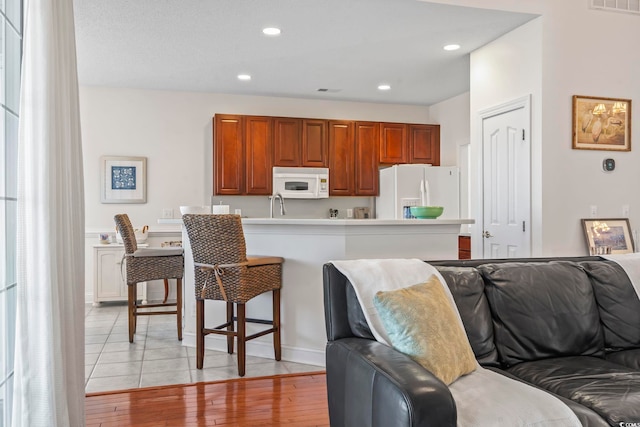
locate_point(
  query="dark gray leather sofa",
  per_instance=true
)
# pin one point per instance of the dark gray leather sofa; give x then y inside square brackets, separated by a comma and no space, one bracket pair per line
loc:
[570,326]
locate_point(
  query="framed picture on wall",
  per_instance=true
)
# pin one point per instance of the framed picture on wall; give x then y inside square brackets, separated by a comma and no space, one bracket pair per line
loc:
[608,236]
[601,123]
[123,179]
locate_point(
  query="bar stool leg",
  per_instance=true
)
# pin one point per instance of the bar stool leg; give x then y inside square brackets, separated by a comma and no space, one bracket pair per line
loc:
[199,333]
[131,301]
[230,327]
[166,290]
[276,324]
[241,339]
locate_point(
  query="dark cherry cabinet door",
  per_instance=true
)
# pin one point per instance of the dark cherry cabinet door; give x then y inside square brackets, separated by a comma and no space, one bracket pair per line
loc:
[341,158]
[287,142]
[258,155]
[424,144]
[367,137]
[315,152]
[393,143]
[228,154]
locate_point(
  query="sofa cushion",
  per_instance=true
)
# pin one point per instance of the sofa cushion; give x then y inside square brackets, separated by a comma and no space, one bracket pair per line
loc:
[542,310]
[628,358]
[421,322]
[467,288]
[618,303]
[587,417]
[611,390]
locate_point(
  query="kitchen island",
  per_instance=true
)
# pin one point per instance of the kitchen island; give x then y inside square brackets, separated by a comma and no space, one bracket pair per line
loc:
[306,244]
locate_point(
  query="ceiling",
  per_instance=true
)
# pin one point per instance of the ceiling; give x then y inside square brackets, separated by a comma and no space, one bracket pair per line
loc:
[346,46]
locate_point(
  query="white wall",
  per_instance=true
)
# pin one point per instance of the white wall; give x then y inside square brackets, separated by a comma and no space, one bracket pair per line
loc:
[453,117]
[174,131]
[577,63]
[504,70]
[555,57]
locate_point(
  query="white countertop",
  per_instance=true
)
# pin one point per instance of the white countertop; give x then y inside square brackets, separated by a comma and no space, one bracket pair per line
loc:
[339,222]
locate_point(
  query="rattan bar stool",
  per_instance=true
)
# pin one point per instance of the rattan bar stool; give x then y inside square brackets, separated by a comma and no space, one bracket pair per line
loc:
[144,264]
[223,272]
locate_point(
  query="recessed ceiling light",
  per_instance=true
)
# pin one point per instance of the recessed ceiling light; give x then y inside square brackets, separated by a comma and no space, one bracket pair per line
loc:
[244,77]
[452,47]
[271,31]
[384,87]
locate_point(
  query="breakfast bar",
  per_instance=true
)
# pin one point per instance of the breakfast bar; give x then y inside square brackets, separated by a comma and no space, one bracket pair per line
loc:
[306,244]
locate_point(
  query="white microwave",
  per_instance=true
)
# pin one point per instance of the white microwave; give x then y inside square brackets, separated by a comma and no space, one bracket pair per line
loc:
[301,183]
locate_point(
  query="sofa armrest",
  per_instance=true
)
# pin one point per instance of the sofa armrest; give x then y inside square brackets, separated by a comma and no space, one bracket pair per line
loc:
[371,384]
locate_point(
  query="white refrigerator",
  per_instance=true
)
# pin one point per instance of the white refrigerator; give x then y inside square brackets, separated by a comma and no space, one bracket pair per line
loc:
[401,185]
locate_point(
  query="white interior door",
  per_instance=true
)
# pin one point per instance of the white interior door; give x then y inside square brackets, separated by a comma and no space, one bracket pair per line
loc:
[506,184]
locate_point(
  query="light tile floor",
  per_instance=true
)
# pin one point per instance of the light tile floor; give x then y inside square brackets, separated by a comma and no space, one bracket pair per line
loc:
[156,357]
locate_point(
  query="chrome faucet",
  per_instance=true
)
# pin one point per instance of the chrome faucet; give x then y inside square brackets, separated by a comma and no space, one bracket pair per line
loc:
[282,208]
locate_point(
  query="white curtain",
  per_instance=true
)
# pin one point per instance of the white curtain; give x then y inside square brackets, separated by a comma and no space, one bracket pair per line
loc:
[49,367]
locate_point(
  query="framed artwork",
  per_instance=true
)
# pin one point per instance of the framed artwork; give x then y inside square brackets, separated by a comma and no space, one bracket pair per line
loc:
[608,236]
[601,123]
[123,179]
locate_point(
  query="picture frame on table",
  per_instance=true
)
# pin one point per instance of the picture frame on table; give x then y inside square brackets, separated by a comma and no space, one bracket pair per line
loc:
[123,179]
[601,123]
[606,236]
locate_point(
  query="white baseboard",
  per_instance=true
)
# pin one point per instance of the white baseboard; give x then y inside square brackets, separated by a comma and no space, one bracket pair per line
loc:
[261,349]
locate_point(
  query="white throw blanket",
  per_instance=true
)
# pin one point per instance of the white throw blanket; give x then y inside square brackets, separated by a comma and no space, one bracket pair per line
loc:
[630,263]
[483,398]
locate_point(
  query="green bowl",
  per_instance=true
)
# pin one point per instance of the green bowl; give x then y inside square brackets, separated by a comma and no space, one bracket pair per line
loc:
[426,212]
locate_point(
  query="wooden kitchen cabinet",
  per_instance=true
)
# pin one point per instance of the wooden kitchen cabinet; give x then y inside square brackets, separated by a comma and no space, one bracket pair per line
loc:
[228,154]
[409,143]
[341,158]
[246,148]
[300,143]
[243,154]
[353,158]
[315,151]
[287,142]
[424,144]
[393,143]
[464,247]
[367,177]
[258,158]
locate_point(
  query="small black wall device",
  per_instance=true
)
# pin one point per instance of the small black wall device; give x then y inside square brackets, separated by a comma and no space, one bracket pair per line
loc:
[608,165]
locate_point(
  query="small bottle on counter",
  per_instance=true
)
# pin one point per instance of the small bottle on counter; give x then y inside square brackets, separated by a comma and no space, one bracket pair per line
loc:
[406,212]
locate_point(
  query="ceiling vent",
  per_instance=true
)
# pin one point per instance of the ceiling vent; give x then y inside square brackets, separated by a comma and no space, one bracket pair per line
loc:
[322,89]
[625,6]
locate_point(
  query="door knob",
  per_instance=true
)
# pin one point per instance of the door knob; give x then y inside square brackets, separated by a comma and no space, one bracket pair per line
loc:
[486,234]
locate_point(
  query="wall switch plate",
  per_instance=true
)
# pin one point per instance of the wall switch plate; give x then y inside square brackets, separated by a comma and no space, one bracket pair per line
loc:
[593,211]
[167,213]
[625,211]
[349,213]
[409,202]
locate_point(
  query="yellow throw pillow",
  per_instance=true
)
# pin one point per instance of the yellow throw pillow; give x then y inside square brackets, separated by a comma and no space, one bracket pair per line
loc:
[421,323]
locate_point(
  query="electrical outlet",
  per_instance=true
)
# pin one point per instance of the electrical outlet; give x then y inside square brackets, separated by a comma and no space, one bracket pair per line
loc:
[167,213]
[625,211]
[593,210]
[349,213]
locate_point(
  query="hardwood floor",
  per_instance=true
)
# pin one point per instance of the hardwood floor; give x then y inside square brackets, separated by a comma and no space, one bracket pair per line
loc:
[282,400]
